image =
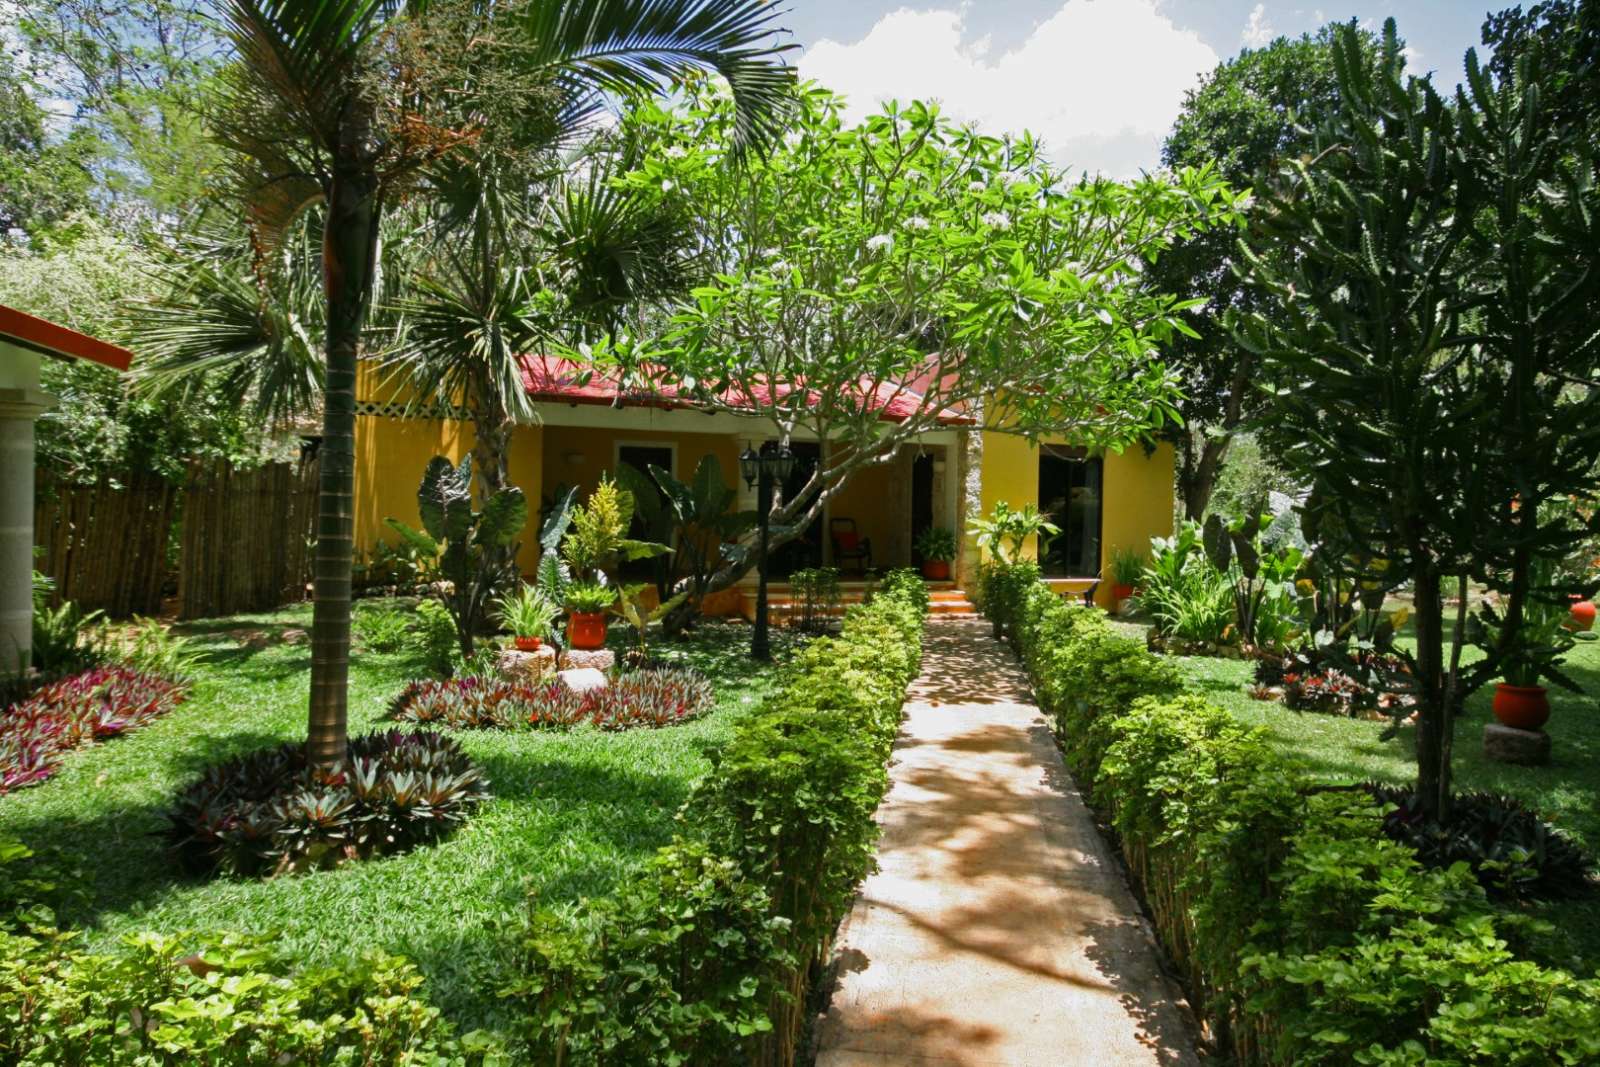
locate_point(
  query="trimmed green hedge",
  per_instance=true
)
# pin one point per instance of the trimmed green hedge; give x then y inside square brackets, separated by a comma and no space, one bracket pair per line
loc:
[707,959]
[1310,936]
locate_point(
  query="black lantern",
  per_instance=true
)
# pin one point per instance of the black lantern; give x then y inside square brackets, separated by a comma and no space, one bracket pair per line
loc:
[765,469]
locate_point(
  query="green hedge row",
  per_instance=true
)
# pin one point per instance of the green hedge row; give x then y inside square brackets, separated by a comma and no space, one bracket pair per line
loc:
[708,957]
[1310,936]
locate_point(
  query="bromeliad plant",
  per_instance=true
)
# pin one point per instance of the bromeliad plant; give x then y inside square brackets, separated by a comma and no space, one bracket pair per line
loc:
[475,549]
[639,698]
[270,812]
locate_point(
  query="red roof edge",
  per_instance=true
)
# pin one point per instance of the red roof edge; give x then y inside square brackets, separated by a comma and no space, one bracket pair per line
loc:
[44,336]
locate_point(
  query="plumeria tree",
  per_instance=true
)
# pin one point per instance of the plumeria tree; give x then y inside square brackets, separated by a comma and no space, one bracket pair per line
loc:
[912,262]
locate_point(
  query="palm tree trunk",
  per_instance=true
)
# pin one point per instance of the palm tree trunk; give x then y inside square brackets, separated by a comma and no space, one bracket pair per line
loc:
[350,242]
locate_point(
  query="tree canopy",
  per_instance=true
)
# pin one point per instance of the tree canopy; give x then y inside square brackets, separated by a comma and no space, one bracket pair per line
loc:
[911,261]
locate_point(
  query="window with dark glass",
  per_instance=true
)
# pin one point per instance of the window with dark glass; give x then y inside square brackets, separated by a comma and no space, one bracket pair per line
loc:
[1069,493]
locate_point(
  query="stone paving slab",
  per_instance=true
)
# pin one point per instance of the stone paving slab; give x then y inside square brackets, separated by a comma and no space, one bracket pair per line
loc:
[999,930]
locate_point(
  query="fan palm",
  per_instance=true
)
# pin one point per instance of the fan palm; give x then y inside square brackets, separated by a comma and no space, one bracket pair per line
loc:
[340,104]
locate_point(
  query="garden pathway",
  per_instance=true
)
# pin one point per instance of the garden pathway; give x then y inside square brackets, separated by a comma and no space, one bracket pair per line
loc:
[1000,928]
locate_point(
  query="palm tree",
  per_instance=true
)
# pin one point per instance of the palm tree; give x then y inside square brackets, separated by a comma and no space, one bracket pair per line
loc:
[343,104]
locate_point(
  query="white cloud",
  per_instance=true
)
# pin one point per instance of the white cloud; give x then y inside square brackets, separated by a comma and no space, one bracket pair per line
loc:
[1100,81]
[1258,31]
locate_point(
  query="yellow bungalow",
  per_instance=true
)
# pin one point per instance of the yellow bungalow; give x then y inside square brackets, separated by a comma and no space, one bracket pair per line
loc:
[584,429]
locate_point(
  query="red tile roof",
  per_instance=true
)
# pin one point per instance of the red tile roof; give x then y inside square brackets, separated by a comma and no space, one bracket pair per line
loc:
[548,378]
[30,331]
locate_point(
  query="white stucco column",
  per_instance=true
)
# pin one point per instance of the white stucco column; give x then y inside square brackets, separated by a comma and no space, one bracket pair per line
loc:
[21,402]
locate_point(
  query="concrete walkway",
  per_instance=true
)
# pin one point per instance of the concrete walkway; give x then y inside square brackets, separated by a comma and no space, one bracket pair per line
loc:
[1000,929]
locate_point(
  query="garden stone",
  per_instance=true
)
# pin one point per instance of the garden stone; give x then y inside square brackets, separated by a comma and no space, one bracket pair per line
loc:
[525,668]
[601,659]
[1507,744]
[583,679]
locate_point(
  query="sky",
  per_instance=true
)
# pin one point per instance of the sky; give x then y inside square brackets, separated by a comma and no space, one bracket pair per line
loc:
[1099,81]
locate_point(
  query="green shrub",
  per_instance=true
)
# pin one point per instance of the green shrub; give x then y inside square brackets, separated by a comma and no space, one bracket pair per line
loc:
[223,1000]
[1308,935]
[384,629]
[639,698]
[707,957]
[435,639]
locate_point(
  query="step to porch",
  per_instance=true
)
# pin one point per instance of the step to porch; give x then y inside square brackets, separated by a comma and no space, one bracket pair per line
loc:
[945,599]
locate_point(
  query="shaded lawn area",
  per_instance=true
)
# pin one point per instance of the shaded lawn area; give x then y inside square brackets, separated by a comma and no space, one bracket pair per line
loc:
[1566,791]
[571,814]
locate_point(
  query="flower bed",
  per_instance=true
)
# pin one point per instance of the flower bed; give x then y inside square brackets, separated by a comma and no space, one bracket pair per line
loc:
[92,706]
[707,958]
[651,698]
[1306,933]
[271,812]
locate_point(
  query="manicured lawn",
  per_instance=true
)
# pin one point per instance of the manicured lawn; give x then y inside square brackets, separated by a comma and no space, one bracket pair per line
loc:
[1566,792]
[572,815]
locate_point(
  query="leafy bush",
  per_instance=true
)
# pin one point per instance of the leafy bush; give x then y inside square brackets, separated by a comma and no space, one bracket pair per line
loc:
[435,638]
[223,999]
[642,698]
[1306,934]
[706,958]
[64,641]
[84,708]
[270,811]
[153,648]
[1512,851]
[1190,600]
[815,599]
[382,630]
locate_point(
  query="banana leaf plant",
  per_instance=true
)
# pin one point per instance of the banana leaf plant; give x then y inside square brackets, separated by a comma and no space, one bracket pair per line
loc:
[476,550]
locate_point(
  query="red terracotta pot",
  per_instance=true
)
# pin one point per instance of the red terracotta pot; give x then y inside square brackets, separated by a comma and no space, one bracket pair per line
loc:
[936,570]
[1122,592]
[1582,615]
[1525,707]
[528,644]
[586,631]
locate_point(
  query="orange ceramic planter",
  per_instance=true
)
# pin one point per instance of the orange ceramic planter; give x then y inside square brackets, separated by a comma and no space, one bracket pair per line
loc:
[1583,615]
[936,570]
[1524,707]
[528,644]
[1121,592]
[586,631]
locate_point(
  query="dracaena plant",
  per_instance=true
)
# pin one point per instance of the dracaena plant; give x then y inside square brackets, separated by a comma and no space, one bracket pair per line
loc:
[475,549]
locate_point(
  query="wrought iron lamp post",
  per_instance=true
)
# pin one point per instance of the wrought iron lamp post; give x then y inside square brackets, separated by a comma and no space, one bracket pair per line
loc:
[773,464]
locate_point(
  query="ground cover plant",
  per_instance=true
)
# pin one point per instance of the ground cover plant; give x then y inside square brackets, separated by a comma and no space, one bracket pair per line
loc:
[633,699]
[573,814]
[100,703]
[1347,946]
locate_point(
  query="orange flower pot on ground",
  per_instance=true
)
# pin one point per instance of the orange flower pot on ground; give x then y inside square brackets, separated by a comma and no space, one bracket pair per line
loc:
[936,570]
[1523,707]
[1583,612]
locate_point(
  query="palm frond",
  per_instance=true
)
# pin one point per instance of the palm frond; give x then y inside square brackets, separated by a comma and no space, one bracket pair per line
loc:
[628,46]
[220,325]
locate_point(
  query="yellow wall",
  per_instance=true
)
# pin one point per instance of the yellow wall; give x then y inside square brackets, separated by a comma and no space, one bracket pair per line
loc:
[1137,501]
[579,456]
[391,453]
[868,497]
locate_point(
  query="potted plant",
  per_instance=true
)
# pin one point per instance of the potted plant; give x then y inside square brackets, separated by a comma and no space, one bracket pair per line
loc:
[938,548]
[528,614]
[587,604]
[1533,655]
[1126,571]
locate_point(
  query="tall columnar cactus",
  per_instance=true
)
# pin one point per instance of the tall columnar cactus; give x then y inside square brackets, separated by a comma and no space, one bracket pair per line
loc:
[476,550]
